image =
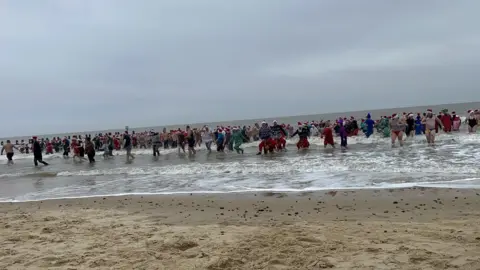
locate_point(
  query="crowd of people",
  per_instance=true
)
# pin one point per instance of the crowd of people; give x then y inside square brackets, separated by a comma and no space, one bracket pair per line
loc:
[230,138]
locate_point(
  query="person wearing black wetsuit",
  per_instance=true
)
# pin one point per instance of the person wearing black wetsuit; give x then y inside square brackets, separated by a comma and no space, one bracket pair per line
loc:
[410,130]
[156,144]
[127,145]
[37,153]
[191,141]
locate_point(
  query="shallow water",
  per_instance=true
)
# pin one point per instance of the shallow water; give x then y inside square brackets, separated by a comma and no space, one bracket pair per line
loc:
[368,163]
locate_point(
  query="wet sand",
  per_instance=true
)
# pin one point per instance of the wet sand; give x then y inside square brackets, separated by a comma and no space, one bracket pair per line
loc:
[415,228]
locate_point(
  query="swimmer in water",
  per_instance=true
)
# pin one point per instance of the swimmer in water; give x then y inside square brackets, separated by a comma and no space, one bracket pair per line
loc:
[327,136]
[303,133]
[278,134]
[191,141]
[472,122]
[127,145]
[369,123]
[429,121]
[410,125]
[237,139]
[220,140]
[343,134]
[37,153]
[397,126]
[90,150]
[181,140]
[267,143]
[156,144]
[207,138]
[8,148]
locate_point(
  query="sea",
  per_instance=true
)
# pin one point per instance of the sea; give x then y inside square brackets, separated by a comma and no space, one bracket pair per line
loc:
[367,163]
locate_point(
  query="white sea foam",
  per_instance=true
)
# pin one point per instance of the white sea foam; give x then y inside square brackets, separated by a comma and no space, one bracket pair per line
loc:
[370,163]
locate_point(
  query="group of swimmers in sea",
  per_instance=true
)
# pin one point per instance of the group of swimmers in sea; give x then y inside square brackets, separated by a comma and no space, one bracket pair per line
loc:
[271,137]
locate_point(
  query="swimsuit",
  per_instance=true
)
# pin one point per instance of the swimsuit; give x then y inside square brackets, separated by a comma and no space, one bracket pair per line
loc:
[472,122]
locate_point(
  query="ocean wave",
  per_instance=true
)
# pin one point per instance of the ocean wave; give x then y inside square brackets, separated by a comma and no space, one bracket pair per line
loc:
[32,197]
[370,163]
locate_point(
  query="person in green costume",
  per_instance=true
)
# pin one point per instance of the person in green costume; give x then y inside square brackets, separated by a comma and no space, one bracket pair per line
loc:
[386,127]
[237,139]
[363,126]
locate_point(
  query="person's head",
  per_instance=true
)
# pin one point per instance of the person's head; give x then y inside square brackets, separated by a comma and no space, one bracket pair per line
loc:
[275,122]
[264,124]
[8,141]
[187,127]
[34,138]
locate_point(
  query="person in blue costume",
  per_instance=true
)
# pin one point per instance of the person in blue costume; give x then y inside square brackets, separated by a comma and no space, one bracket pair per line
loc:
[220,141]
[418,125]
[370,123]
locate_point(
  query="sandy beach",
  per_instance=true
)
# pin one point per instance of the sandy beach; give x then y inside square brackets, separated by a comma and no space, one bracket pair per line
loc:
[415,228]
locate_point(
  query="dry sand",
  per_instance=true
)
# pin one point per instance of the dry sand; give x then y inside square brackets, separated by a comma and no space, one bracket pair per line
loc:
[418,228]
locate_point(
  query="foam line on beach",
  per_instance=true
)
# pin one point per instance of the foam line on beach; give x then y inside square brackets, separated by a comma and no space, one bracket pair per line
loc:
[441,185]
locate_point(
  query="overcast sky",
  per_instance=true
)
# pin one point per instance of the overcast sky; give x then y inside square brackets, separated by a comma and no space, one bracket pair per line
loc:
[99,64]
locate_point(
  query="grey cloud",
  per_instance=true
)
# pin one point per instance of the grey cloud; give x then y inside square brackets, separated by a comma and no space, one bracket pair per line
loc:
[73,65]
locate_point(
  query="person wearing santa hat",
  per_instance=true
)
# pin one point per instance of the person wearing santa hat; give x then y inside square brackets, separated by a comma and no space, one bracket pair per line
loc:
[327,135]
[303,132]
[456,121]
[430,121]
[446,119]
[37,152]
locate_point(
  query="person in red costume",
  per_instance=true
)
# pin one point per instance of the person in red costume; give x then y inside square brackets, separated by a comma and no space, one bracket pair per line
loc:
[446,121]
[267,144]
[303,133]
[327,136]
[74,145]
[49,148]
[278,136]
